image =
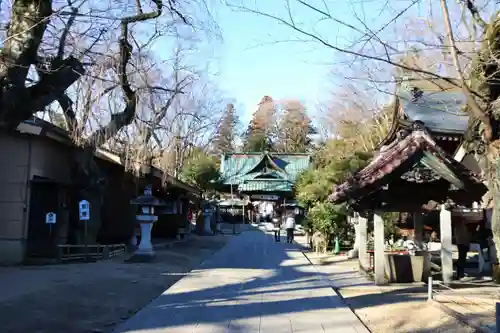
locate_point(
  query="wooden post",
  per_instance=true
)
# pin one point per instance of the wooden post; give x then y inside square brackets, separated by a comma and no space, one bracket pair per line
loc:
[379,247]
[446,245]
[362,254]
[429,288]
[418,223]
[243,212]
[86,237]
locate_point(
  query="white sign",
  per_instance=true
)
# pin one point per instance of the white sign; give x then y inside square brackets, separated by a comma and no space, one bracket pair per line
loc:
[84,210]
[265,197]
[50,218]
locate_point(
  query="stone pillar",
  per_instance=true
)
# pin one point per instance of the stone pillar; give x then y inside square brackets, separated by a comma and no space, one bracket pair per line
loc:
[207,224]
[362,254]
[379,247]
[145,247]
[446,245]
[354,221]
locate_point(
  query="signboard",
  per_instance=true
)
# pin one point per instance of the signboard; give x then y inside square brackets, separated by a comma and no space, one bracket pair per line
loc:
[84,210]
[50,218]
[265,197]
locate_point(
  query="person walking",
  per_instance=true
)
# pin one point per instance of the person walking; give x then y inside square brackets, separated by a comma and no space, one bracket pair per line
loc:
[290,227]
[462,237]
[269,211]
[277,228]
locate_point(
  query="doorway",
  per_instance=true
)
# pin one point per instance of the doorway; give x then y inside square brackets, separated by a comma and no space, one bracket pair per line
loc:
[41,242]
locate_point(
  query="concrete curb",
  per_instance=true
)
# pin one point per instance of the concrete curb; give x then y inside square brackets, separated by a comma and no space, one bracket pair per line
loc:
[458,316]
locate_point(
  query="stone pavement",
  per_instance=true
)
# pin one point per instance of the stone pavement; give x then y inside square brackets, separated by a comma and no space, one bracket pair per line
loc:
[251,285]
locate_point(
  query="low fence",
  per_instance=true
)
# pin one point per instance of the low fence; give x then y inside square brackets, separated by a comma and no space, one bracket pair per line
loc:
[480,310]
[70,252]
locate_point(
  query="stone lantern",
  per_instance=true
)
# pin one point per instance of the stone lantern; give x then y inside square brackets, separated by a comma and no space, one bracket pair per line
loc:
[147,202]
[207,218]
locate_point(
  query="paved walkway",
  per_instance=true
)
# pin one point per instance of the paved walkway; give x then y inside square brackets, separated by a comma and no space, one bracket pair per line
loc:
[252,285]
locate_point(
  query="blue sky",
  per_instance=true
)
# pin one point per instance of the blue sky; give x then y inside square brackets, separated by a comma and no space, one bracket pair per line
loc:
[255,62]
[252,64]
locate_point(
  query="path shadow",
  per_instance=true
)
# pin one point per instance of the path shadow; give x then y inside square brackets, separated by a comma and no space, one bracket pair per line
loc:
[251,278]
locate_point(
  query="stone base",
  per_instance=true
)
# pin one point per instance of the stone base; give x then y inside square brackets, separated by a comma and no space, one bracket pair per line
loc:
[139,257]
[352,254]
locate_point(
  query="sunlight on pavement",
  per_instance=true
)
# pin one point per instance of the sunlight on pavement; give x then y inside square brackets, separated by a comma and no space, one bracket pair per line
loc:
[253,285]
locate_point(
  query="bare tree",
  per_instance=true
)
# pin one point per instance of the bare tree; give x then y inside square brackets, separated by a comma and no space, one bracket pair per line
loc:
[92,63]
[190,126]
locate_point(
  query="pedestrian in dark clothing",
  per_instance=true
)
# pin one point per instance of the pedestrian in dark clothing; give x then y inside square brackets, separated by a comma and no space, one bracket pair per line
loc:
[277,229]
[462,237]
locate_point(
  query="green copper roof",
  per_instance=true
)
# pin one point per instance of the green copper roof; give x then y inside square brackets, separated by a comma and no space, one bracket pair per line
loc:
[237,168]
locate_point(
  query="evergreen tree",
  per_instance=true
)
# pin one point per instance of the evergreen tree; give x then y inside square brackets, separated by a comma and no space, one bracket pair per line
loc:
[295,128]
[261,130]
[224,139]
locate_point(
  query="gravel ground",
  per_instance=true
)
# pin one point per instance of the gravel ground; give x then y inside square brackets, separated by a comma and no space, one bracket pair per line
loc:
[394,309]
[93,297]
[400,311]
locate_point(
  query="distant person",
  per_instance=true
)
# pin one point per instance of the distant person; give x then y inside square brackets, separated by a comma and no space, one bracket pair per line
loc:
[462,237]
[277,228]
[269,210]
[485,235]
[290,227]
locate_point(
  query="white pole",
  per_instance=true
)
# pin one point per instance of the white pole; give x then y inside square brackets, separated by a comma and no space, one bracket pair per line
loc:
[232,210]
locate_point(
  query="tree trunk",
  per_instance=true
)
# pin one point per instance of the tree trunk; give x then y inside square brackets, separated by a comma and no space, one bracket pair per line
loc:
[493,163]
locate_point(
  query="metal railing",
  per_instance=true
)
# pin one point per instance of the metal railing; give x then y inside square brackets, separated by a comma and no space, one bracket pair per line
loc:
[465,302]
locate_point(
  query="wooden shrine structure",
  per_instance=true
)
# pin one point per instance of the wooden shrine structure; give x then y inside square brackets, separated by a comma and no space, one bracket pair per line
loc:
[415,171]
[262,176]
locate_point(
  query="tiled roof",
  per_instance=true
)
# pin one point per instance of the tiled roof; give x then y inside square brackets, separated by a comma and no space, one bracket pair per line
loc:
[391,157]
[237,168]
[440,111]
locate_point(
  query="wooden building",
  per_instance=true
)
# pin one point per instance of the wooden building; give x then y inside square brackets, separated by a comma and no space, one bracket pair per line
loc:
[262,176]
[415,171]
[36,178]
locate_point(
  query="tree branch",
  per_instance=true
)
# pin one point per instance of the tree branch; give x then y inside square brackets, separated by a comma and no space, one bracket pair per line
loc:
[28,22]
[476,110]
[124,118]
[64,101]
[343,50]
[475,13]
